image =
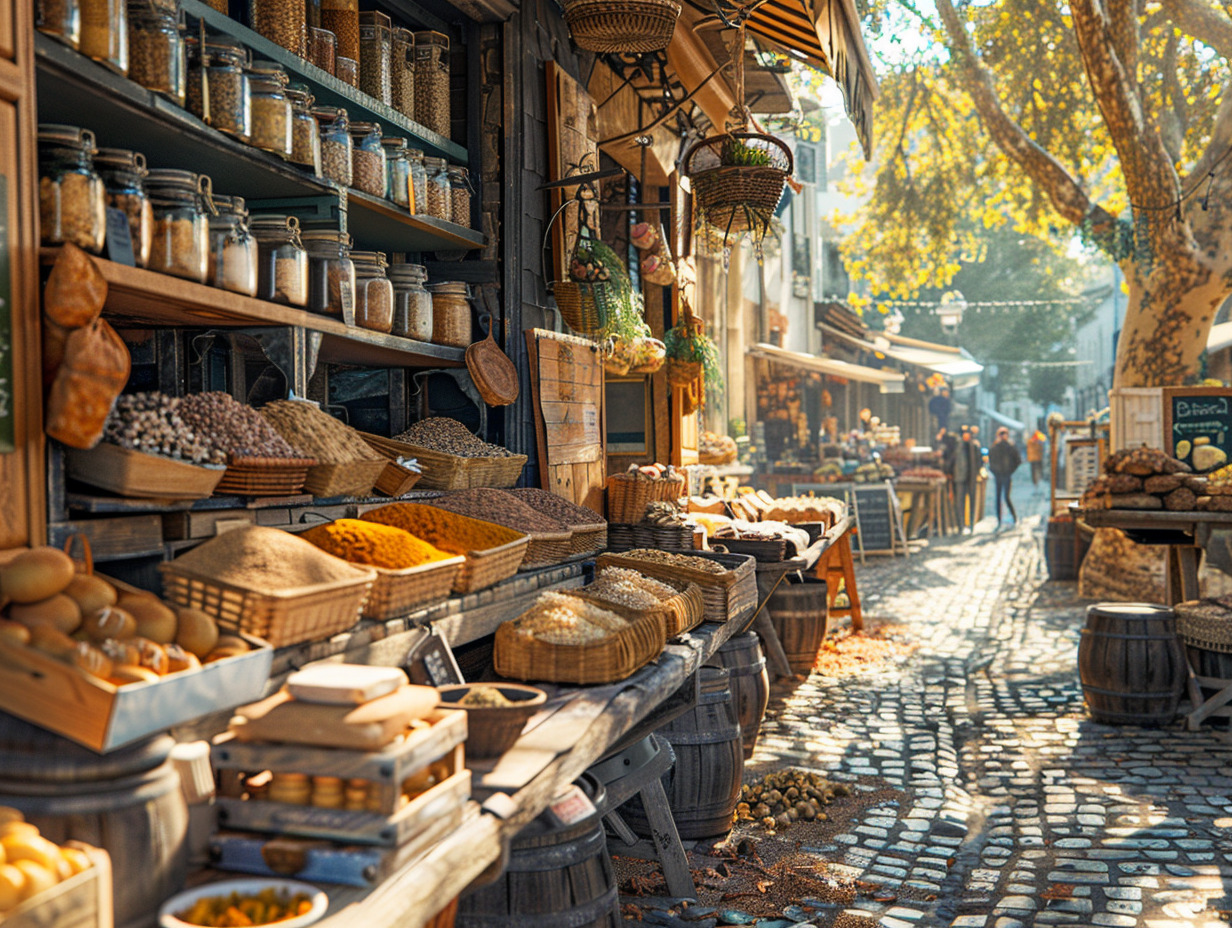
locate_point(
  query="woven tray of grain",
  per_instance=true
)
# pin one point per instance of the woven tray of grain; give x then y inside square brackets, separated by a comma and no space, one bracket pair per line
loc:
[728,584]
[451,457]
[549,538]
[564,639]
[1206,624]
[346,465]
[680,605]
[588,527]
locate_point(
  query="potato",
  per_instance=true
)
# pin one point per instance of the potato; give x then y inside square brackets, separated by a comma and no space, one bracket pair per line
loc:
[90,593]
[12,885]
[57,611]
[198,632]
[36,575]
[109,622]
[154,620]
[38,878]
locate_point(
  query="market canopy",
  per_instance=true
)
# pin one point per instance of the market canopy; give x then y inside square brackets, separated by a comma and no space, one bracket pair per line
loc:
[1220,337]
[950,362]
[1002,419]
[888,381]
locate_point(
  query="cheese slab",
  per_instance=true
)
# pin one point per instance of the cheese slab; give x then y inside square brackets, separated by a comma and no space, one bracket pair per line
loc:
[283,719]
[344,684]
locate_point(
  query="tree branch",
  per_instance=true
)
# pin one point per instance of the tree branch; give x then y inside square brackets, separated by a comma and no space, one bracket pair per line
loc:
[1221,136]
[1123,23]
[1202,20]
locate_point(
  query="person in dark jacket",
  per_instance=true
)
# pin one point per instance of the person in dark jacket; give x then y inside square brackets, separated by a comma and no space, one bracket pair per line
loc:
[1003,460]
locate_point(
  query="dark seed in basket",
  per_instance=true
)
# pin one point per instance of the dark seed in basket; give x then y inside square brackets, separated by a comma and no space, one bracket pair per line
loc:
[499,507]
[450,436]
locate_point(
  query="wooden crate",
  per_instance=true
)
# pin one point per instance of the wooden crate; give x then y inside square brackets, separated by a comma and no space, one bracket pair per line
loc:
[81,901]
[1136,417]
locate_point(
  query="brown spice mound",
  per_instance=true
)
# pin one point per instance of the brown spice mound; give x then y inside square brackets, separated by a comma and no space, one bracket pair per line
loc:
[501,508]
[557,507]
[267,560]
[685,561]
[852,652]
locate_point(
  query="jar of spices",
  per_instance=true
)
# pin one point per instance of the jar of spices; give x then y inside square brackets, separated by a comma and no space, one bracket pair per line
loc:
[367,158]
[341,17]
[376,55]
[222,6]
[233,249]
[123,173]
[336,144]
[402,73]
[72,198]
[451,314]
[419,182]
[347,70]
[397,172]
[181,201]
[459,196]
[282,262]
[282,21]
[432,81]
[331,274]
[156,50]
[312,20]
[412,303]
[60,19]
[322,48]
[230,102]
[104,33]
[374,294]
[437,188]
[271,108]
[305,136]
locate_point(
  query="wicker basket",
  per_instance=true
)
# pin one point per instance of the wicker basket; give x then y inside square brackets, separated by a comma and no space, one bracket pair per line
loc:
[587,539]
[626,26]
[729,595]
[396,480]
[622,537]
[1204,624]
[682,373]
[581,306]
[619,655]
[398,592]
[737,198]
[679,614]
[354,478]
[493,730]
[765,550]
[628,494]
[283,618]
[264,476]
[443,471]
[484,565]
[140,476]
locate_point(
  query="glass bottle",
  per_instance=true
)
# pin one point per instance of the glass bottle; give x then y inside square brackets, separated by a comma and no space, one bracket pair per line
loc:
[397,172]
[336,144]
[322,48]
[181,244]
[419,182]
[233,249]
[281,21]
[230,104]
[331,274]
[156,50]
[459,196]
[305,136]
[367,158]
[341,17]
[402,73]
[60,19]
[412,303]
[72,197]
[124,174]
[347,70]
[271,108]
[432,81]
[437,188]
[282,262]
[374,294]
[104,33]
[375,55]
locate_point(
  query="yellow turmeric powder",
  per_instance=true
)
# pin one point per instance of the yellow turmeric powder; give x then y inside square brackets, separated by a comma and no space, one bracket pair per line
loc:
[447,530]
[373,544]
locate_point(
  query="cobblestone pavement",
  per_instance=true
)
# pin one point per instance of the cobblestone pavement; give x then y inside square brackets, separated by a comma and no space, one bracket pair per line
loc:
[1014,809]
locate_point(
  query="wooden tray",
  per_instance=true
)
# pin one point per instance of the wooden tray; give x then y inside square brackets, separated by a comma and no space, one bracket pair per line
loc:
[141,476]
[264,476]
[449,471]
[81,901]
[396,480]
[396,593]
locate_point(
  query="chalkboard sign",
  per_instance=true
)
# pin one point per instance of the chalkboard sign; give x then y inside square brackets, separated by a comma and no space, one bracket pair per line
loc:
[6,326]
[431,662]
[877,506]
[1198,425]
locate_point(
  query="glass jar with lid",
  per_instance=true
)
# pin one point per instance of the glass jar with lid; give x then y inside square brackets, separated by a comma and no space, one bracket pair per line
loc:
[271,108]
[305,135]
[459,196]
[402,73]
[156,50]
[451,314]
[331,274]
[60,19]
[322,48]
[282,262]
[432,81]
[282,21]
[336,143]
[347,70]
[367,158]
[72,197]
[374,294]
[412,303]
[233,249]
[397,172]
[419,181]
[376,55]
[341,17]
[181,201]
[230,105]
[123,173]
[437,188]
[104,33]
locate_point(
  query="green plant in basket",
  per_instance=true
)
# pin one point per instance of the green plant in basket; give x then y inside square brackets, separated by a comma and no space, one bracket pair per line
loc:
[737,154]
[685,342]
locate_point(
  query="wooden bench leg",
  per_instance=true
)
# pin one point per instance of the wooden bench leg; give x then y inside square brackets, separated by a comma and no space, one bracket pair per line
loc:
[849,581]
[770,641]
[667,841]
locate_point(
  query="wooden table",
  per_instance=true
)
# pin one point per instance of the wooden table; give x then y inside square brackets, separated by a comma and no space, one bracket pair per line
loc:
[926,505]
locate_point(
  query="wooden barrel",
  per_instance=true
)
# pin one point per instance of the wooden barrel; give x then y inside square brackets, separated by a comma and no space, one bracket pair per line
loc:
[127,802]
[1059,549]
[1131,664]
[750,684]
[800,615]
[558,876]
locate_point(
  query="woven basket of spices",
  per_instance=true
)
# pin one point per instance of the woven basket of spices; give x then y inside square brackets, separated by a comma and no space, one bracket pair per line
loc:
[728,581]
[549,538]
[444,471]
[264,476]
[681,608]
[399,592]
[589,529]
[629,493]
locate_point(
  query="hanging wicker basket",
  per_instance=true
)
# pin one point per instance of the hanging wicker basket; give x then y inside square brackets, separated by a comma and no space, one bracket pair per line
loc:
[682,373]
[738,180]
[581,305]
[608,27]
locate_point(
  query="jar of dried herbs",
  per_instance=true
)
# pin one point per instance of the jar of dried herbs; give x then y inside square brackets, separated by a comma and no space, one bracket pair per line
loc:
[397,172]
[412,303]
[123,173]
[104,33]
[305,136]
[437,188]
[72,198]
[60,19]
[156,50]
[322,48]
[459,196]
[419,181]
[271,108]
[374,294]
[336,145]
[341,17]
[181,201]
[432,81]
[282,21]
[367,158]
[230,104]
[376,55]
[402,73]
[451,313]
[282,262]
[233,249]
[331,274]
[347,70]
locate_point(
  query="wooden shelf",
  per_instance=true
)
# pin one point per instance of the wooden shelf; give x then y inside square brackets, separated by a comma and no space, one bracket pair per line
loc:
[146,298]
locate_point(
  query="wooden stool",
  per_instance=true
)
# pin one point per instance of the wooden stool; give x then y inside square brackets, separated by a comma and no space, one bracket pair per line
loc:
[836,565]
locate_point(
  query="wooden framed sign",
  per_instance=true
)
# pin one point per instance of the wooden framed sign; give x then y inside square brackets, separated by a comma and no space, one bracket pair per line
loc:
[1198,425]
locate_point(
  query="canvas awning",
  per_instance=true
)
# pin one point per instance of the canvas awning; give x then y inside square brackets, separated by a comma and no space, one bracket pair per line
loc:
[887,381]
[1002,419]
[1220,337]
[942,359]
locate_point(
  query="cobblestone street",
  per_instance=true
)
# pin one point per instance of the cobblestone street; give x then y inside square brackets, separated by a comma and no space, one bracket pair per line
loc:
[1010,808]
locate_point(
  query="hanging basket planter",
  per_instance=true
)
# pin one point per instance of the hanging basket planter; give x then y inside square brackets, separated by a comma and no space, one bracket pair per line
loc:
[682,373]
[738,180]
[581,305]
[609,27]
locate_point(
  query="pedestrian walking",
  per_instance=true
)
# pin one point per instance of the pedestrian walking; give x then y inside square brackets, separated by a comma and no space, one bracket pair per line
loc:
[1035,455]
[1003,460]
[962,479]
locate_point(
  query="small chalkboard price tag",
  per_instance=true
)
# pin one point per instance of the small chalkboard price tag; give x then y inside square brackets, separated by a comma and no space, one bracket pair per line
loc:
[119,238]
[431,662]
[571,807]
[1198,426]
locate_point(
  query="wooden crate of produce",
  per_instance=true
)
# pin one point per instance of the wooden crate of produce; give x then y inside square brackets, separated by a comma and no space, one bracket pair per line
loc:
[81,901]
